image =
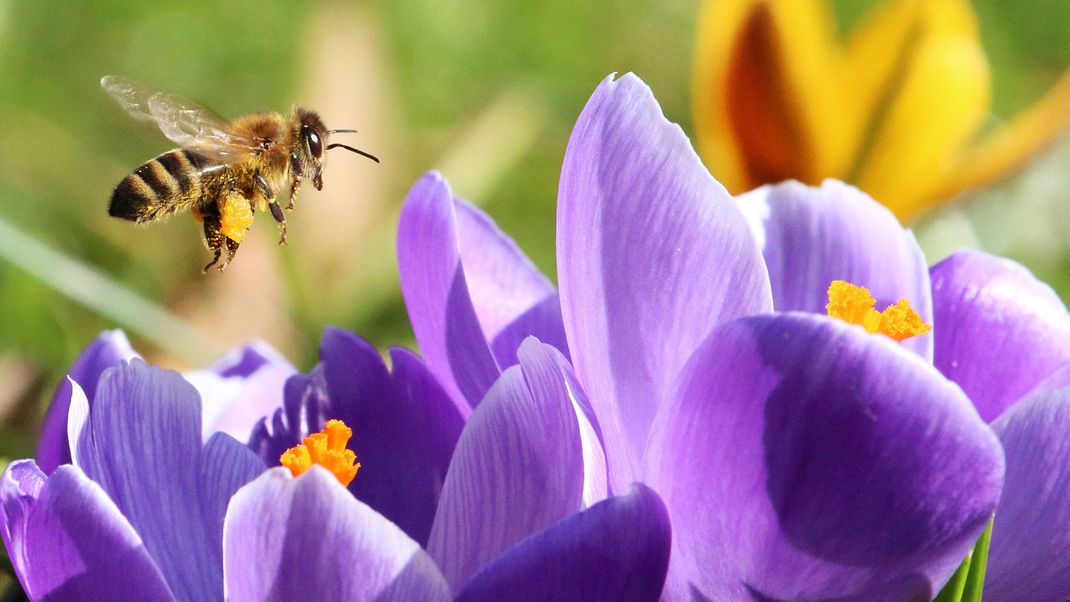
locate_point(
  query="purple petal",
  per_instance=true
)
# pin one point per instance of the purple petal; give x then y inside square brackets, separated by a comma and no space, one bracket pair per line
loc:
[309,539]
[999,331]
[1029,558]
[549,364]
[542,321]
[502,281]
[812,236]
[247,360]
[241,388]
[1057,379]
[803,458]
[436,292]
[616,550]
[68,541]
[518,467]
[652,254]
[107,350]
[404,425]
[226,465]
[142,445]
[305,410]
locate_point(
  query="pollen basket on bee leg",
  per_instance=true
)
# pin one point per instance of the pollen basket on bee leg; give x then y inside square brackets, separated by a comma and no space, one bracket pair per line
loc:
[236,217]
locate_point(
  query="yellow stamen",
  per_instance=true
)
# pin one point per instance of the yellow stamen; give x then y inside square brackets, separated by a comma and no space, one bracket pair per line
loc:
[855,305]
[326,448]
[236,218]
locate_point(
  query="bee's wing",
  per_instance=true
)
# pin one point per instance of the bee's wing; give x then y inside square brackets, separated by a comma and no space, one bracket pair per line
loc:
[183,121]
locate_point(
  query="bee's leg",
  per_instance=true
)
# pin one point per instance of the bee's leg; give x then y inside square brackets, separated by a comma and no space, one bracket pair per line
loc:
[295,185]
[213,236]
[232,248]
[295,179]
[263,186]
[276,212]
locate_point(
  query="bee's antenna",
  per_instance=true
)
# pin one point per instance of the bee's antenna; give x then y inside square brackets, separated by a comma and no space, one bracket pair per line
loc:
[341,131]
[353,150]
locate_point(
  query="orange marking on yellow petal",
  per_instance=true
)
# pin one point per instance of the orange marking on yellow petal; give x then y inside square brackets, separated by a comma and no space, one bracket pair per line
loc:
[855,305]
[236,218]
[326,448]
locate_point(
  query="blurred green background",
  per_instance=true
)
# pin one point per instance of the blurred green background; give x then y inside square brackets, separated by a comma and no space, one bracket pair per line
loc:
[485,91]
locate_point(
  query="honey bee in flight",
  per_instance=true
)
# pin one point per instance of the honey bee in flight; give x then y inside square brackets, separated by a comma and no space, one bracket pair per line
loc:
[222,171]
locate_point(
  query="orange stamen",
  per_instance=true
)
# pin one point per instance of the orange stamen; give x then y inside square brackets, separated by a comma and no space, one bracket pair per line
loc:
[326,448]
[855,305]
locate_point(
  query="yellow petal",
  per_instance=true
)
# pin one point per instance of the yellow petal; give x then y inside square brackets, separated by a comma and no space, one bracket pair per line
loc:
[718,25]
[875,61]
[936,103]
[1011,146]
[767,102]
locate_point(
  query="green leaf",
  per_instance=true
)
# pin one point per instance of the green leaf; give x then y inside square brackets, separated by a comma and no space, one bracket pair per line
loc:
[967,584]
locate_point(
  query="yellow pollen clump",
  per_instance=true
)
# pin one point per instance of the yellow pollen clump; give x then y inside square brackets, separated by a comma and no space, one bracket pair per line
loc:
[855,304]
[236,218]
[326,448]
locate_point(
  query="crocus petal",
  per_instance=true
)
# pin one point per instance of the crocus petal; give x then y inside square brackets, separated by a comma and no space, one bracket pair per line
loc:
[518,467]
[542,362]
[404,428]
[812,236]
[542,321]
[998,330]
[502,281]
[1009,147]
[615,550]
[936,101]
[803,458]
[143,446]
[1059,378]
[304,410]
[68,541]
[652,254]
[768,104]
[434,284]
[1029,558]
[307,538]
[240,388]
[226,465]
[107,350]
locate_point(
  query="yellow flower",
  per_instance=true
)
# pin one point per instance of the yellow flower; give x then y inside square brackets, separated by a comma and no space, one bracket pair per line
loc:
[896,109]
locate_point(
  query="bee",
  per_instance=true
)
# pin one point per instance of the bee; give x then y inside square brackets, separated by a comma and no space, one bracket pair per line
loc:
[222,171]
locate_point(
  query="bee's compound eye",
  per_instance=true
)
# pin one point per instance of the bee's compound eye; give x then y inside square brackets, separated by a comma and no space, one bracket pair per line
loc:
[313,139]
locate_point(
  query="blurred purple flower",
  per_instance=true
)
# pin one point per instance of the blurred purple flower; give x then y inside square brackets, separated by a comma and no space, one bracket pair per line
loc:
[798,456]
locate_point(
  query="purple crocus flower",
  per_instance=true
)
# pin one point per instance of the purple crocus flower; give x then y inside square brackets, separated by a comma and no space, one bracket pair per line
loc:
[509,501]
[999,333]
[145,509]
[138,513]
[1006,342]
[145,513]
[799,457]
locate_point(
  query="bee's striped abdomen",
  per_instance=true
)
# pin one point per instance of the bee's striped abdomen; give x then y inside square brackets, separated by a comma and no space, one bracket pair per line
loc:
[168,183]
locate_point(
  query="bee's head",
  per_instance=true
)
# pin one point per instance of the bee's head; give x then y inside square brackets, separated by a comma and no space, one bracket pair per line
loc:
[308,141]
